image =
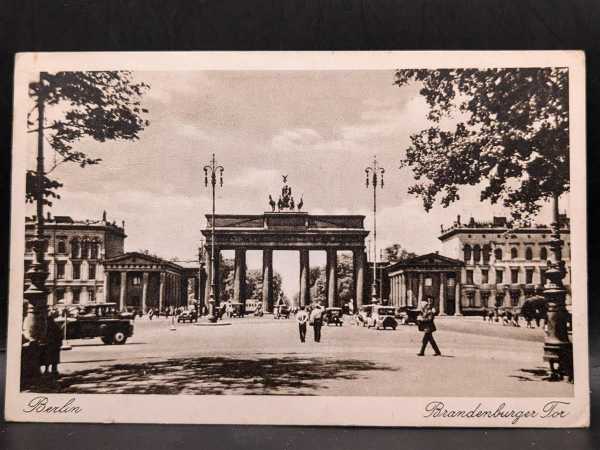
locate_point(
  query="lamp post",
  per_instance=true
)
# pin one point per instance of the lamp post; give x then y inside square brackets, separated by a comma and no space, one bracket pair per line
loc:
[374,176]
[35,321]
[558,349]
[211,170]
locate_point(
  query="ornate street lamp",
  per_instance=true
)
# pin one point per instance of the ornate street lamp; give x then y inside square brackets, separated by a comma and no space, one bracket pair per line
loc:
[558,349]
[36,295]
[374,176]
[211,170]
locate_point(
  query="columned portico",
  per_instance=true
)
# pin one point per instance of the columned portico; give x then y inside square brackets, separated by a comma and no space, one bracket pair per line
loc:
[144,292]
[123,291]
[295,231]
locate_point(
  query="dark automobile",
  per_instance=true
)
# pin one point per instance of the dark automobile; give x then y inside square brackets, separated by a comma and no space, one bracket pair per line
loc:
[333,316]
[189,315]
[94,320]
[407,315]
[382,317]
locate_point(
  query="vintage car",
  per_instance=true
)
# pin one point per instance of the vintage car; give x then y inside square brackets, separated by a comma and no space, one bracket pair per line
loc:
[237,310]
[94,320]
[363,315]
[383,317]
[281,312]
[188,315]
[407,315]
[333,316]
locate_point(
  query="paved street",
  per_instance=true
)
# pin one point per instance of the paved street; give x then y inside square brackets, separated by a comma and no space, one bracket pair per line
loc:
[264,356]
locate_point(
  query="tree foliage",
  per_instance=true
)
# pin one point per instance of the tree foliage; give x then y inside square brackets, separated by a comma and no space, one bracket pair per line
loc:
[395,252]
[98,105]
[512,134]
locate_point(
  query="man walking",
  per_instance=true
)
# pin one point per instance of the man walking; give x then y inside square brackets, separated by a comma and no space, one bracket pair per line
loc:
[302,319]
[316,319]
[427,326]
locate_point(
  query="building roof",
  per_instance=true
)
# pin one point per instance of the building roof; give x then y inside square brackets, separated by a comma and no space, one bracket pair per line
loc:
[428,260]
[133,257]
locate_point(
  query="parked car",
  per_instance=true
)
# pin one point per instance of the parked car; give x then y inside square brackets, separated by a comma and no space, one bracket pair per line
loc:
[363,315]
[237,310]
[383,317]
[188,315]
[407,315]
[333,316]
[94,320]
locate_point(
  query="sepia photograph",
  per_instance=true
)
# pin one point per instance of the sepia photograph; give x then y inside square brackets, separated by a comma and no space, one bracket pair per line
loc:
[351,238]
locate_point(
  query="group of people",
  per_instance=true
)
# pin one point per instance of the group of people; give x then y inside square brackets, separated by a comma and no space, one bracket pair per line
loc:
[510,317]
[310,315]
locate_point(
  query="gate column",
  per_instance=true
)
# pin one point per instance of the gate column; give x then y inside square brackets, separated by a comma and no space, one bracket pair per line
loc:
[267,287]
[239,278]
[359,257]
[304,278]
[331,277]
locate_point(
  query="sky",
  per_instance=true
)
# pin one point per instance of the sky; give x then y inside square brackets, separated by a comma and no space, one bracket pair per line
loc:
[321,128]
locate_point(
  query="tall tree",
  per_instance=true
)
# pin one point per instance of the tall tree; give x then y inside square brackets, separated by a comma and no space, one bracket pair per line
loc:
[75,105]
[512,134]
[395,252]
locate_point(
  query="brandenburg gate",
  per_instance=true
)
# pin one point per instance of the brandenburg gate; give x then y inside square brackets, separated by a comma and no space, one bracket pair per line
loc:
[288,230]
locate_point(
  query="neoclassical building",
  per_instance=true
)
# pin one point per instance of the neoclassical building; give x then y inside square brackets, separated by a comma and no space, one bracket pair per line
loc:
[74,253]
[503,263]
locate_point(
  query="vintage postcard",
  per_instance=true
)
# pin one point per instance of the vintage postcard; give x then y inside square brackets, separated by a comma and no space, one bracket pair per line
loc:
[302,238]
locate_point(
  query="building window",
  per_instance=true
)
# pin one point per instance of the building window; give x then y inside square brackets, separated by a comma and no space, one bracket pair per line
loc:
[28,264]
[76,295]
[476,254]
[467,251]
[499,299]
[60,269]
[514,276]
[529,276]
[514,253]
[542,276]
[75,249]
[428,281]
[471,299]
[76,270]
[528,254]
[84,249]
[91,271]
[498,254]
[92,294]
[514,298]
[451,281]
[94,251]
[469,277]
[543,253]
[60,295]
[486,254]
[29,247]
[499,276]
[485,276]
[485,299]
[136,280]
[61,247]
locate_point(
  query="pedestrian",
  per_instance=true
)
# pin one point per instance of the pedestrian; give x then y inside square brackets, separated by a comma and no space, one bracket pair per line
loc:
[151,313]
[316,320]
[302,319]
[229,309]
[427,326]
[54,338]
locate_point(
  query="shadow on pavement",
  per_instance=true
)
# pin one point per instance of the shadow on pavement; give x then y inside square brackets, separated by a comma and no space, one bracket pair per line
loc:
[538,374]
[212,376]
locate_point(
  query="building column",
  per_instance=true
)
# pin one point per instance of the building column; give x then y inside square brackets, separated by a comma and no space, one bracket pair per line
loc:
[457,303]
[217,275]
[420,292]
[359,276]
[144,291]
[105,285]
[477,297]
[161,292]
[84,295]
[267,279]
[123,292]
[442,294]
[304,277]
[331,277]
[239,276]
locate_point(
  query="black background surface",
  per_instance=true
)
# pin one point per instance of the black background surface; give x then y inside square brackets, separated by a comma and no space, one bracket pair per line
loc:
[117,25]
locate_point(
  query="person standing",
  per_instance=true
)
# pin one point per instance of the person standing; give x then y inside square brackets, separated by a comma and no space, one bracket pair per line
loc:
[54,338]
[427,326]
[302,319]
[316,319]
